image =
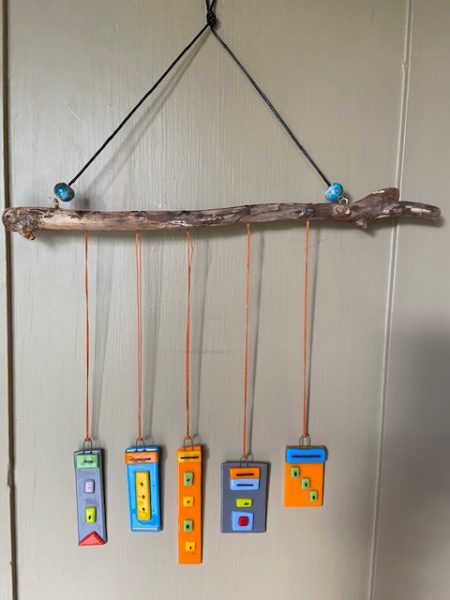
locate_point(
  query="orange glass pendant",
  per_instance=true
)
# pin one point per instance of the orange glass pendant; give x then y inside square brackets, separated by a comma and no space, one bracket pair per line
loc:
[190,504]
[304,468]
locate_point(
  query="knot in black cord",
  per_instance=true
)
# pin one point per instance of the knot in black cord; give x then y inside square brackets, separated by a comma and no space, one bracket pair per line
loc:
[211,18]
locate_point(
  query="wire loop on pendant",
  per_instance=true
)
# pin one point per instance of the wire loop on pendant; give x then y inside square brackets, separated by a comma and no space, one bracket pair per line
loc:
[188,441]
[304,440]
[87,445]
[246,459]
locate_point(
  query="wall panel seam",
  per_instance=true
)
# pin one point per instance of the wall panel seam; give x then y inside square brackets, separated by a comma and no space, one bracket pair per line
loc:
[8,405]
[390,297]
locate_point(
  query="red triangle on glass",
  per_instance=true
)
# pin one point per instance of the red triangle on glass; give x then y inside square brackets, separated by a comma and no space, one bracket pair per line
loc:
[93,539]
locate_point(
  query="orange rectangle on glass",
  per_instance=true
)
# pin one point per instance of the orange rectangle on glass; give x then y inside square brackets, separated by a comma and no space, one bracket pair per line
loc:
[245,473]
[134,458]
[190,505]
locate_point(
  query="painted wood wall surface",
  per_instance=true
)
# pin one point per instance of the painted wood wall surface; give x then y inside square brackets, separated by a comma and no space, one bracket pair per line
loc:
[365,85]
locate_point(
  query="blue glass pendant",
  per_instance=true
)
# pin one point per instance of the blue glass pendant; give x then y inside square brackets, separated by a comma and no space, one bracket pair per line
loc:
[64,192]
[334,192]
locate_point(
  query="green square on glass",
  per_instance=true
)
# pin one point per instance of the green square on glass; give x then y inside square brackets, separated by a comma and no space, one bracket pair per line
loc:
[306,483]
[188,478]
[87,461]
[188,525]
[295,472]
[313,496]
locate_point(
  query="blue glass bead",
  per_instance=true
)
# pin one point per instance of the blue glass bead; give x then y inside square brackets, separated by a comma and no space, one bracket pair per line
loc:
[334,192]
[64,192]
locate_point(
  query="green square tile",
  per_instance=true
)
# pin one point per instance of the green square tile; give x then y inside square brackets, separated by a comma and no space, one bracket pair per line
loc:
[188,478]
[313,496]
[87,461]
[188,525]
[306,483]
[295,472]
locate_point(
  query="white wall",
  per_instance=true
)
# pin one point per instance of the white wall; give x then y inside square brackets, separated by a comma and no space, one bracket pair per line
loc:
[365,86]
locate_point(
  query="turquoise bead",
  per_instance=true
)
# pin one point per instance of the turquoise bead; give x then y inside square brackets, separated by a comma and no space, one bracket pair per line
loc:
[64,192]
[334,192]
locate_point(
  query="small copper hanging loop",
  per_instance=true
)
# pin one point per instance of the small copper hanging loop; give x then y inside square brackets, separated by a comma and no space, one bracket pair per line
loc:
[246,459]
[87,445]
[304,440]
[188,440]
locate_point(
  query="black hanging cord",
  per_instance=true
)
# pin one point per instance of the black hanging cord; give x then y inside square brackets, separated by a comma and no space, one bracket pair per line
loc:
[141,101]
[272,108]
[211,22]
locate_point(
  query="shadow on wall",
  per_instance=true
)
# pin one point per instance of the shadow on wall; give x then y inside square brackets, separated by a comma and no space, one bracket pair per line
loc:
[414,540]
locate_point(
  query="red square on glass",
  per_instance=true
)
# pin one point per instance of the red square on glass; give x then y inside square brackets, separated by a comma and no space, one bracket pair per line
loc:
[243,521]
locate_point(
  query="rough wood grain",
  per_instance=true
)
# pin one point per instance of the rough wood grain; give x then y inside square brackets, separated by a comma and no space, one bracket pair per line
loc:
[383,204]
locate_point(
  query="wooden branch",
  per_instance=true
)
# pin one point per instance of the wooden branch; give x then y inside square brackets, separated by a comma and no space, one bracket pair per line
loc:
[383,204]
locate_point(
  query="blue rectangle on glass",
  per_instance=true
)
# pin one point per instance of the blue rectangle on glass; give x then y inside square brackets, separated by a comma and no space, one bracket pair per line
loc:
[244,484]
[306,455]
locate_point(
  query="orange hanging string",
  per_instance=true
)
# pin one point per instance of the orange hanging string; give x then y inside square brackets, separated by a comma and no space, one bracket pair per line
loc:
[247,318]
[305,338]
[87,436]
[139,333]
[190,252]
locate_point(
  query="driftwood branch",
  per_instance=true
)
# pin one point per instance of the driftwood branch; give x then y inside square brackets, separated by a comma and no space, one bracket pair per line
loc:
[383,204]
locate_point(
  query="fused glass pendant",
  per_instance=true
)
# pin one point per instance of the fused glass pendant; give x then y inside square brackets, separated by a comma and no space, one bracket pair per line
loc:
[143,488]
[190,504]
[303,475]
[244,497]
[90,497]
